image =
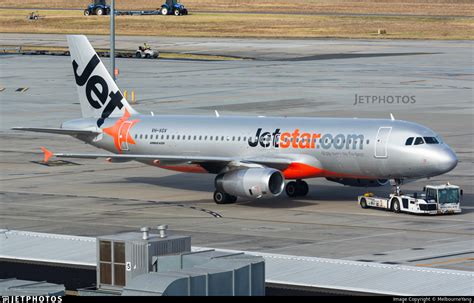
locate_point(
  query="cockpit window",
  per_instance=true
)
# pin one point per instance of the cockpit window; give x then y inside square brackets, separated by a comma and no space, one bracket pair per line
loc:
[431,140]
[409,141]
[419,140]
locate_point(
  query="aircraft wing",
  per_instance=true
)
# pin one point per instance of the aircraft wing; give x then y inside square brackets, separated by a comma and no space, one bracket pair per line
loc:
[231,161]
[60,131]
[195,159]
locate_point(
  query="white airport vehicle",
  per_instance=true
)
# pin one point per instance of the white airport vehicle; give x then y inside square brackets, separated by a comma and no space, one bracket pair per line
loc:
[146,52]
[435,199]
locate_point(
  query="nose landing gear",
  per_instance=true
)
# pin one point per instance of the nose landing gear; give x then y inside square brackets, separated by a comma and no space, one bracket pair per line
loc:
[298,188]
[396,183]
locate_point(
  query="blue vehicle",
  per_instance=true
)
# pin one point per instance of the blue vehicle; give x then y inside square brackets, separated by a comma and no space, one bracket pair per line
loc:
[173,7]
[99,8]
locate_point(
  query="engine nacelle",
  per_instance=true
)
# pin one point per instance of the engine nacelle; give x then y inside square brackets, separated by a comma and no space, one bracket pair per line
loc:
[254,183]
[361,182]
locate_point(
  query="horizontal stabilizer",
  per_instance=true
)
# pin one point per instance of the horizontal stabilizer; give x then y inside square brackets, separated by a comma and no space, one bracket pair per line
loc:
[60,131]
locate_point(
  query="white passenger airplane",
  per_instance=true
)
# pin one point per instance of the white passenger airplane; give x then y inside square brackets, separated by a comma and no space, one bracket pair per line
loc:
[251,156]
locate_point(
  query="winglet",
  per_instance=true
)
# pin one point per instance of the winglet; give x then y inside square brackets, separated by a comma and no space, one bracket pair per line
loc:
[217,113]
[47,154]
[392,117]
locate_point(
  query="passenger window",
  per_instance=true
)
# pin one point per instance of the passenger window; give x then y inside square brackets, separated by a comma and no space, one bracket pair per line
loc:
[141,136]
[409,141]
[211,137]
[172,137]
[178,137]
[238,139]
[222,138]
[146,137]
[233,138]
[418,141]
[367,141]
[430,140]
[167,137]
[136,136]
[205,137]
[200,137]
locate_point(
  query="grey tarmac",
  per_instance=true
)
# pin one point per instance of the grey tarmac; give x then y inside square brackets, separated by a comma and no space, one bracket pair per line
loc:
[287,78]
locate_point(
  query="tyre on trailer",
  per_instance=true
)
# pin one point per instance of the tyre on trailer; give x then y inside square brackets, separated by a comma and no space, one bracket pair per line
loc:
[395,205]
[177,12]
[87,12]
[363,203]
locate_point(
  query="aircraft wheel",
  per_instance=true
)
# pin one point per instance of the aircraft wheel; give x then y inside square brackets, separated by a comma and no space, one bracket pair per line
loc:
[224,198]
[232,199]
[291,189]
[302,188]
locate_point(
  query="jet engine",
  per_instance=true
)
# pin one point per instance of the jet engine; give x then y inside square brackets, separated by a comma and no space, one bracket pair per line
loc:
[254,183]
[361,182]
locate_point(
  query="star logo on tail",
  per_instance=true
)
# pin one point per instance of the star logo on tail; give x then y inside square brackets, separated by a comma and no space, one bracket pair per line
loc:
[120,131]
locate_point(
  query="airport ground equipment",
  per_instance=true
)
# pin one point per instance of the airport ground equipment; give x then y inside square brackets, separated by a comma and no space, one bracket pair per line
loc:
[173,7]
[170,7]
[146,52]
[33,16]
[99,8]
[435,199]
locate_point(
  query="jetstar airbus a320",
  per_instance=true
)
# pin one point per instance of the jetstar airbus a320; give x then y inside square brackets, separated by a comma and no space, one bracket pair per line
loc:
[251,156]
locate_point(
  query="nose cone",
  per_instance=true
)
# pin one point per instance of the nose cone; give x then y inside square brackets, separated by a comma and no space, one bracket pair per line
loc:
[446,160]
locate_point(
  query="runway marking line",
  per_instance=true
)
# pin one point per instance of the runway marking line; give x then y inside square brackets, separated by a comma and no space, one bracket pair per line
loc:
[171,204]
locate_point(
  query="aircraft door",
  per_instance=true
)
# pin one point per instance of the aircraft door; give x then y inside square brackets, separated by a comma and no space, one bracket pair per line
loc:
[123,134]
[381,142]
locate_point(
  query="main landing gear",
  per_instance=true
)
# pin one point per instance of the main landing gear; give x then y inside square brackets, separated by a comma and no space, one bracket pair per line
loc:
[224,198]
[298,188]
